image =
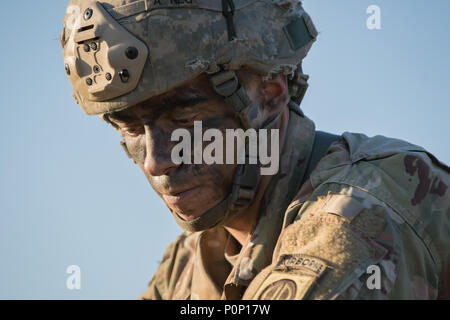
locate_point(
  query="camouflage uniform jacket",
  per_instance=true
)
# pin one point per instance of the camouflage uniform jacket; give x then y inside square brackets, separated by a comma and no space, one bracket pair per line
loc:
[372,222]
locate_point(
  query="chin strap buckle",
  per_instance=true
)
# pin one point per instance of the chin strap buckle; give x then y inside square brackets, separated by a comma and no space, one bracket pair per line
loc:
[245,183]
[225,82]
[227,85]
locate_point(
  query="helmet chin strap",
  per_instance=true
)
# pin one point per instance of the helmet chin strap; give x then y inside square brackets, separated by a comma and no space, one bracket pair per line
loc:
[246,176]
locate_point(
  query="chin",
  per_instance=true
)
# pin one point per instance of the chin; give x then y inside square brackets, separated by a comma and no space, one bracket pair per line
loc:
[193,210]
[188,216]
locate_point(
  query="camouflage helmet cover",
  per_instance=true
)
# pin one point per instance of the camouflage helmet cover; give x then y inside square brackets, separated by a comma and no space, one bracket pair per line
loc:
[121,52]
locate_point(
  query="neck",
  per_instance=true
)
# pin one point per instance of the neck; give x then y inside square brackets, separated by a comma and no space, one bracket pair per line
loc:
[242,225]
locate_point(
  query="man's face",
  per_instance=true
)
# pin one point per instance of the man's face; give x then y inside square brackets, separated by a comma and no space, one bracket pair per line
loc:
[188,189]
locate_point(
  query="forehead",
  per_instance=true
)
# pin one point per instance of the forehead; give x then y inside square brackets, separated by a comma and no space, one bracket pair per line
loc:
[188,95]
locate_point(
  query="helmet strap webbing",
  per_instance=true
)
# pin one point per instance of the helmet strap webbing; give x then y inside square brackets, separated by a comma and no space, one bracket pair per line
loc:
[246,176]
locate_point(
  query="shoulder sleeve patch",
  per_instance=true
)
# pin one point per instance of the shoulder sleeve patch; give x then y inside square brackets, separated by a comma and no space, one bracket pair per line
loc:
[301,262]
[292,278]
[281,286]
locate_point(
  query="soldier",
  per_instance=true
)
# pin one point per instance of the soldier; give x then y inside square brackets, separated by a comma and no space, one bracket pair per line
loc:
[344,217]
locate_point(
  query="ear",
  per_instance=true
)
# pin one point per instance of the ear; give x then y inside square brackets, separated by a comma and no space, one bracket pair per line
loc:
[276,92]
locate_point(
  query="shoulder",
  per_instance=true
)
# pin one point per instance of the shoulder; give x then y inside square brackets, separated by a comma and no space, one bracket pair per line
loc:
[366,207]
[406,177]
[411,185]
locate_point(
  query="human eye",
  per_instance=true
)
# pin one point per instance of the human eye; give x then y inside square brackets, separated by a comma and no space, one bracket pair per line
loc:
[132,130]
[127,126]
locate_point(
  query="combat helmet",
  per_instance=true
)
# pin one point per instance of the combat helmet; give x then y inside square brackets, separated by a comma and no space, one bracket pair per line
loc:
[118,53]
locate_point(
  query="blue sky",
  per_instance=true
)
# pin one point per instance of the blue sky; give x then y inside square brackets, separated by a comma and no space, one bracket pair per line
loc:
[70,196]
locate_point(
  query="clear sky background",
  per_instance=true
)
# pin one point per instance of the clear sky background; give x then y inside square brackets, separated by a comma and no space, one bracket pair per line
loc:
[70,196]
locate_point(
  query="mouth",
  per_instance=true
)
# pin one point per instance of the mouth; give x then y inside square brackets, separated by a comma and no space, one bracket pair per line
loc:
[179,197]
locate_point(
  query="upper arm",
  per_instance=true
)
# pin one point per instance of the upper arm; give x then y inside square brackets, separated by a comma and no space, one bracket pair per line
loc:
[340,233]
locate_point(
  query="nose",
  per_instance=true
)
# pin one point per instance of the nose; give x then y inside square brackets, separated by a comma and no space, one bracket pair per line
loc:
[158,159]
